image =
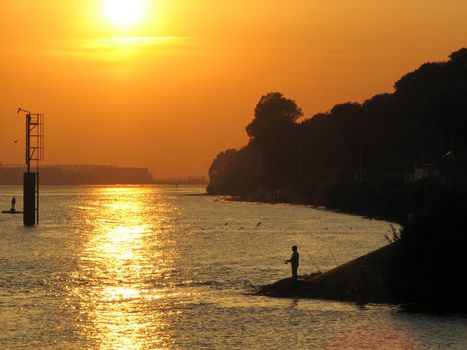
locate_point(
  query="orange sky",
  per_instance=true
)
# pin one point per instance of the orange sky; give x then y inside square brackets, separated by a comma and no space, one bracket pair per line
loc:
[178,87]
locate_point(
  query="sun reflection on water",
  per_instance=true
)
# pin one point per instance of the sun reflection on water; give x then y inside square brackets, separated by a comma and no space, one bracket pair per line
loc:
[154,268]
[117,266]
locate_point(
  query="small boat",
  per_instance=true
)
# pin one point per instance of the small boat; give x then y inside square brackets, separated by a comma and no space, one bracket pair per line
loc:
[11,211]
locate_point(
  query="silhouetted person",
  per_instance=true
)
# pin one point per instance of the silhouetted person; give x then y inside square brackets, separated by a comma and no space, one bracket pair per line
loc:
[13,204]
[294,262]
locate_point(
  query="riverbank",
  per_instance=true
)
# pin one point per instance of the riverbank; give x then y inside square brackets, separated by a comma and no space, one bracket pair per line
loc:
[369,278]
[298,200]
[383,199]
[385,275]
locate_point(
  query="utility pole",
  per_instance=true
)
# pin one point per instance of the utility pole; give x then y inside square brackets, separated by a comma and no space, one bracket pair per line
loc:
[34,152]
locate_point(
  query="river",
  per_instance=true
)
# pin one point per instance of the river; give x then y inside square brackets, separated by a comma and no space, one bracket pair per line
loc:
[160,267]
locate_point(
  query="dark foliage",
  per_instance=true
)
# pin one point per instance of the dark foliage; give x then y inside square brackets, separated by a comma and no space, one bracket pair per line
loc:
[434,242]
[356,157]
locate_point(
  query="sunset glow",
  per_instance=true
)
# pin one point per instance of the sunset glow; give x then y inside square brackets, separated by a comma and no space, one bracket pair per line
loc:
[233,174]
[124,12]
[167,84]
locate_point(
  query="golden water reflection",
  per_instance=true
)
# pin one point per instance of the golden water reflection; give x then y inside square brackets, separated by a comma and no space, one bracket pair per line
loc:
[122,256]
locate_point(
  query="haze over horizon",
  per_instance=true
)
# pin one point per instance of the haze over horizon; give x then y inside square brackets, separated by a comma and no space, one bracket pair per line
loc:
[178,84]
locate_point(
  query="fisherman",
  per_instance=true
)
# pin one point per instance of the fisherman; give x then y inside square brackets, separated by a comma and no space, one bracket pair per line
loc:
[13,204]
[294,262]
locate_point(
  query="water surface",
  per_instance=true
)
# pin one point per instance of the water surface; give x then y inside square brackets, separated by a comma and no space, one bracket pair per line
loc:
[166,268]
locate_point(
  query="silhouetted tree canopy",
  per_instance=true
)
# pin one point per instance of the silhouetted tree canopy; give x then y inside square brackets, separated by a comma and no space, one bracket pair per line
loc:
[220,172]
[273,109]
[381,139]
[274,116]
[459,56]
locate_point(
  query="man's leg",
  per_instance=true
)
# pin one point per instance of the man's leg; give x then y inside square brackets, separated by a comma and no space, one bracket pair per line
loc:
[294,272]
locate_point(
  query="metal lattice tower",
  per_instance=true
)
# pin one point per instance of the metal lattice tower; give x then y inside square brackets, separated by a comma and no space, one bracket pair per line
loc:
[34,139]
[34,152]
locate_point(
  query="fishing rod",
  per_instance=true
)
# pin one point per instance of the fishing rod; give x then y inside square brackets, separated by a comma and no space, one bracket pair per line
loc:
[333,257]
[314,263]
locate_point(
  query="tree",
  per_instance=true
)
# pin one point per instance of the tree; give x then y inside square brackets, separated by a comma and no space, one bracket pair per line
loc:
[384,137]
[273,133]
[220,172]
[273,113]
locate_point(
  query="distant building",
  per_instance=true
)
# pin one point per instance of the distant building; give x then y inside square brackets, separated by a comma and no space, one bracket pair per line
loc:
[196,180]
[425,170]
[78,175]
[451,166]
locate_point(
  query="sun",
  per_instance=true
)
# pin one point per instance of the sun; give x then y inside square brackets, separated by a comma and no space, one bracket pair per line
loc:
[124,13]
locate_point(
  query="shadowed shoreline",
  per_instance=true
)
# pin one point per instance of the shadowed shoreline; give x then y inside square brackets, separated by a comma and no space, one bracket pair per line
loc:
[345,281]
[383,283]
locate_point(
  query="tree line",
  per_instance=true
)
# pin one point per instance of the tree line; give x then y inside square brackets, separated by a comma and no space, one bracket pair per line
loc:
[357,157]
